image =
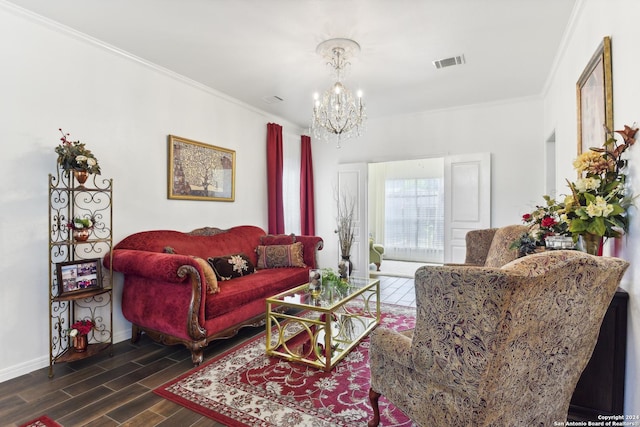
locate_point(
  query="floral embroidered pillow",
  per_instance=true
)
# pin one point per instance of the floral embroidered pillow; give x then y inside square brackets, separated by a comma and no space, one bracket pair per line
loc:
[276,256]
[231,266]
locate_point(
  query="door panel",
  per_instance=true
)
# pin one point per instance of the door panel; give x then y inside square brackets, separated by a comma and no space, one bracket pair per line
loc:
[352,182]
[467,186]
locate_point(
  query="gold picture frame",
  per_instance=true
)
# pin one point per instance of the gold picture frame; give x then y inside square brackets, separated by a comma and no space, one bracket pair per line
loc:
[199,171]
[595,99]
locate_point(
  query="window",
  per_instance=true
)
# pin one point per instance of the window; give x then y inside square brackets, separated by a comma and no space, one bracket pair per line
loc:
[414,219]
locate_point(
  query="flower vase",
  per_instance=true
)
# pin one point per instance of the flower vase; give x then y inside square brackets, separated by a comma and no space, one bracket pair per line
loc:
[345,267]
[592,243]
[81,235]
[80,343]
[315,282]
[81,176]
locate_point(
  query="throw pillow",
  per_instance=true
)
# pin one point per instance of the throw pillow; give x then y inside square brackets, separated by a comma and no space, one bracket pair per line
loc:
[209,275]
[276,256]
[231,266]
[278,239]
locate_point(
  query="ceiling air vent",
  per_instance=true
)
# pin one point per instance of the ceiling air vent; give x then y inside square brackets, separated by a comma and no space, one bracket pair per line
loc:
[449,62]
[274,99]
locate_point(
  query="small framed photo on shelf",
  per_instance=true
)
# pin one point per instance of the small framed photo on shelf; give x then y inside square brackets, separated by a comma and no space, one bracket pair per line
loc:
[78,276]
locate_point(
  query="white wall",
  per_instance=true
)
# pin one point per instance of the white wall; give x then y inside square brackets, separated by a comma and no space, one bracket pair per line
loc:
[593,20]
[123,110]
[510,131]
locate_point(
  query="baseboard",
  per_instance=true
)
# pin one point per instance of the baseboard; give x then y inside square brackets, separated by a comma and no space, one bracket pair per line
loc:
[29,366]
[23,368]
[122,336]
[377,274]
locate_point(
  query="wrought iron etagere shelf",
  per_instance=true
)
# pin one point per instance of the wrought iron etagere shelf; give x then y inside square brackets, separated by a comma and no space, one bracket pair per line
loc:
[68,199]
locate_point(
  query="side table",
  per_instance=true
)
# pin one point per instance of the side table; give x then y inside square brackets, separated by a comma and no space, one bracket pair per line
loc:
[600,390]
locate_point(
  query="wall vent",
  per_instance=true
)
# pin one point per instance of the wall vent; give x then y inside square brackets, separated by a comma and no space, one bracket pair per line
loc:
[449,62]
[274,99]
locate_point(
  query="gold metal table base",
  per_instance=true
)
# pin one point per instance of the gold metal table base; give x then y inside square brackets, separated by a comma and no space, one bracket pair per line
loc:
[320,331]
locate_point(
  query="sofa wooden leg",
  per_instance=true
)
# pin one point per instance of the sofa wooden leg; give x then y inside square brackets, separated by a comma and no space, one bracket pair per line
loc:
[373,398]
[377,265]
[135,334]
[197,355]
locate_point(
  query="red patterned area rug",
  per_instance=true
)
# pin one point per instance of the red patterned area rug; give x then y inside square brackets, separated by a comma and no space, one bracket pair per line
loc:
[244,387]
[42,421]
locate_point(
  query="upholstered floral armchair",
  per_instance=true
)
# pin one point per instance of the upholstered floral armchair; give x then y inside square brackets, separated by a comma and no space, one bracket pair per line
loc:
[495,346]
[491,247]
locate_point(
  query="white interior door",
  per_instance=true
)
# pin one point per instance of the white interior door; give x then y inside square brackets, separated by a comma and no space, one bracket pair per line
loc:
[352,182]
[467,186]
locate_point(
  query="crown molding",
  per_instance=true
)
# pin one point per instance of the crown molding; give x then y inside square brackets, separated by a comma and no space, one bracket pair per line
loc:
[86,38]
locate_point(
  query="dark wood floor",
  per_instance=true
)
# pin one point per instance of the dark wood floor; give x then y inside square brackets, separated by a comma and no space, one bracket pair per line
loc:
[117,390]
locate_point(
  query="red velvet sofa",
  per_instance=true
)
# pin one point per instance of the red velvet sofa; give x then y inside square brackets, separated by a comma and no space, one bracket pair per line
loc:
[166,295]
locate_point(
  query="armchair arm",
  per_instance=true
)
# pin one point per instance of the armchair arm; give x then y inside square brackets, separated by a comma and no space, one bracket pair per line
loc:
[392,345]
[457,264]
[378,248]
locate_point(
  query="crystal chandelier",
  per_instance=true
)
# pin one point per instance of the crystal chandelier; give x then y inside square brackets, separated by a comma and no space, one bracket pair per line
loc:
[336,112]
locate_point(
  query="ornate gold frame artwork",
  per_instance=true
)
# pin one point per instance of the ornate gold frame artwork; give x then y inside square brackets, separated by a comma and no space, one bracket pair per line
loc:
[595,99]
[199,171]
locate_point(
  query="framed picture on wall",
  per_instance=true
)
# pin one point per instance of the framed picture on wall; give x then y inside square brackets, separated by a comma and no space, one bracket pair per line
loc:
[78,276]
[595,99]
[199,171]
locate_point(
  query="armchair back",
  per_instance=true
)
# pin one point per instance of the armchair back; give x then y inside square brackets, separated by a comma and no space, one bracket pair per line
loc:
[491,247]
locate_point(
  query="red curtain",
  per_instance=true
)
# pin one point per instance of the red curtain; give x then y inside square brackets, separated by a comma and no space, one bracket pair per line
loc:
[274,178]
[307,208]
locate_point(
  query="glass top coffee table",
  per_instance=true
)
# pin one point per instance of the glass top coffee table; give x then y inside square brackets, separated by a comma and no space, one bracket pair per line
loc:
[321,330]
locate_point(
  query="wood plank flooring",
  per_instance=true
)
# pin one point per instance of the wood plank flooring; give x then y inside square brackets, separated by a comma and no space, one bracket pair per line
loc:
[117,390]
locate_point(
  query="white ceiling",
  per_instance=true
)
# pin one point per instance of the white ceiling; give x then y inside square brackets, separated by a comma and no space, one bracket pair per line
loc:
[252,49]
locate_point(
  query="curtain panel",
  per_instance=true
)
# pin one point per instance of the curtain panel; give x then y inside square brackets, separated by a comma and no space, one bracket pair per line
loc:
[307,207]
[274,179]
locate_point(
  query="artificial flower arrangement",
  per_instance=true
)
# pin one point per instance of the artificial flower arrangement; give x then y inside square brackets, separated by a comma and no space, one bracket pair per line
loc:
[597,205]
[73,155]
[544,221]
[81,327]
[79,223]
[598,202]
